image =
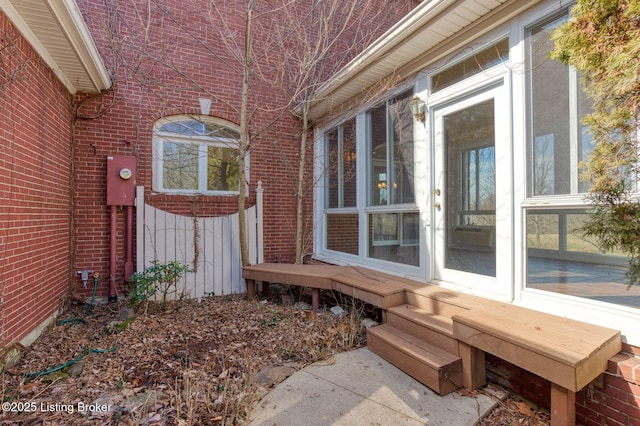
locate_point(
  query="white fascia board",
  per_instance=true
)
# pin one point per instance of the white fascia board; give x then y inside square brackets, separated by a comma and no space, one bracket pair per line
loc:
[22,26]
[73,24]
[401,31]
[75,30]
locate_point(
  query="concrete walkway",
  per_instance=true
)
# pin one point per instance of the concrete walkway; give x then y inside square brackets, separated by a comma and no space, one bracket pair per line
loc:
[360,388]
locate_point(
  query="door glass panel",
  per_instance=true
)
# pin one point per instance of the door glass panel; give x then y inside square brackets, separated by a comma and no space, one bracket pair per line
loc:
[470,198]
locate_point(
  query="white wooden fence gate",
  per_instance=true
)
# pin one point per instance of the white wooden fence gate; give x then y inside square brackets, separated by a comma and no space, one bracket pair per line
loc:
[209,245]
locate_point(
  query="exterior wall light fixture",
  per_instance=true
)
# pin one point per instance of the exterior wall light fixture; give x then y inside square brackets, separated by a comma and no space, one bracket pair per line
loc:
[418,108]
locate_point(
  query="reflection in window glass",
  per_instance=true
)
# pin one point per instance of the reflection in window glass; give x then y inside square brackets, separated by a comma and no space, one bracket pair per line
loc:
[558,142]
[340,146]
[401,122]
[349,164]
[391,153]
[543,231]
[199,128]
[484,59]
[379,184]
[543,181]
[333,169]
[222,170]
[195,155]
[180,166]
[394,237]
[561,259]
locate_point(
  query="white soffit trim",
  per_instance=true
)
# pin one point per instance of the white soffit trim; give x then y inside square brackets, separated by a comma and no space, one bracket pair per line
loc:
[402,50]
[59,34]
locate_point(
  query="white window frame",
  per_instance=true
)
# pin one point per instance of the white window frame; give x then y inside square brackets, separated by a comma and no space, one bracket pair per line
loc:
[203,142]
[619,317]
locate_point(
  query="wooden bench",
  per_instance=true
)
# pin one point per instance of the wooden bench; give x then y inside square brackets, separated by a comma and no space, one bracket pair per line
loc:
[378,288]
[315,276]
[570,354]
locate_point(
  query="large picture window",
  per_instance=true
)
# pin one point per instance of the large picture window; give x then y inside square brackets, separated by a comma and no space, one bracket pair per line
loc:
[560,258]
[195,156]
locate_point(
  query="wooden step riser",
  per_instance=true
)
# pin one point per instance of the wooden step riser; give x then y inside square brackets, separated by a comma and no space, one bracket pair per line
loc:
[442,381]
[422,332]
[435,306]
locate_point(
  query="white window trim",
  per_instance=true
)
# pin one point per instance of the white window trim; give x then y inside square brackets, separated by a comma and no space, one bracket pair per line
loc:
[157,153]
[618,317]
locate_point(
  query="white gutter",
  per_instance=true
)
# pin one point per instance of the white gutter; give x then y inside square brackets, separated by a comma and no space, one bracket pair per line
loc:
[420,38]
[396,35]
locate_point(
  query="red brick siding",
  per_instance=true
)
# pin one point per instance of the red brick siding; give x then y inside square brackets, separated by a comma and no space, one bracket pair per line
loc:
[611,399]
[146,91]
[35,206]
[615,399]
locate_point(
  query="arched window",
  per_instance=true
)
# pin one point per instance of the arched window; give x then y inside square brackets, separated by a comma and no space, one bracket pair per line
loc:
[195,155]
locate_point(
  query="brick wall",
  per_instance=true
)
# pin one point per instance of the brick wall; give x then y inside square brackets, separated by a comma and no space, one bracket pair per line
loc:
[163,72]
[35,202]
[611,399]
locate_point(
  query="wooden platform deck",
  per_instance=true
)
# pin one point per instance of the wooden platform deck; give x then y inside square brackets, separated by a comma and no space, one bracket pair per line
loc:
[429,331]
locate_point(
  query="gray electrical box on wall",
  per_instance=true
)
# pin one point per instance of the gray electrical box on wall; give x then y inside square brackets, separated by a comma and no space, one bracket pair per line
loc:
[121,181]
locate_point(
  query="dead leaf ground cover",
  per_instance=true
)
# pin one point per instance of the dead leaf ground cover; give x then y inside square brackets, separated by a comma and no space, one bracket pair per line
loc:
[193,363]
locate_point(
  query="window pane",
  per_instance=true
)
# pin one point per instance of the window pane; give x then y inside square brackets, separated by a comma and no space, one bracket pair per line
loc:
[543,231]
[199,128]
[180,166]
[471,189]
[543,170]
[477,63]
[551,120]
[558,140]
[342,233]
[222,169]
[401,122]
[378,156]
[561,259]
[585,107]
[185,128]
[349,164]
[394,237]
[333,169]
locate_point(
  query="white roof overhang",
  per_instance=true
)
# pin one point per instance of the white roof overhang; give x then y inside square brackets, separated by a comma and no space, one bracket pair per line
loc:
[434,29]
[59,34]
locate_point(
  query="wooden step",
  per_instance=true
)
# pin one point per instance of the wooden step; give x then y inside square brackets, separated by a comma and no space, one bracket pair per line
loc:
[432,328]
[430,365]
[446,302]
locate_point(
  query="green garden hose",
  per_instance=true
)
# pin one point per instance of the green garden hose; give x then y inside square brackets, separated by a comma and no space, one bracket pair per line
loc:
[85,352]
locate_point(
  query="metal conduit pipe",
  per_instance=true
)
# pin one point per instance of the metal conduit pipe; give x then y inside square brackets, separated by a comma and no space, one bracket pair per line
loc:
[112,254]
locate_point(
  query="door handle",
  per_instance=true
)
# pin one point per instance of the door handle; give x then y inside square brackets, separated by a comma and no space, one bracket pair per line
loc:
[437,191]
[437,206]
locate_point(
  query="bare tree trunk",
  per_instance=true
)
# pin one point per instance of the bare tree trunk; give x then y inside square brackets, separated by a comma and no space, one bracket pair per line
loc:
[300,190]
[244,134]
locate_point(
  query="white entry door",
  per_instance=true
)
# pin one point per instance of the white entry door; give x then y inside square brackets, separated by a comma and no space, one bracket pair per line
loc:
[472,192]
